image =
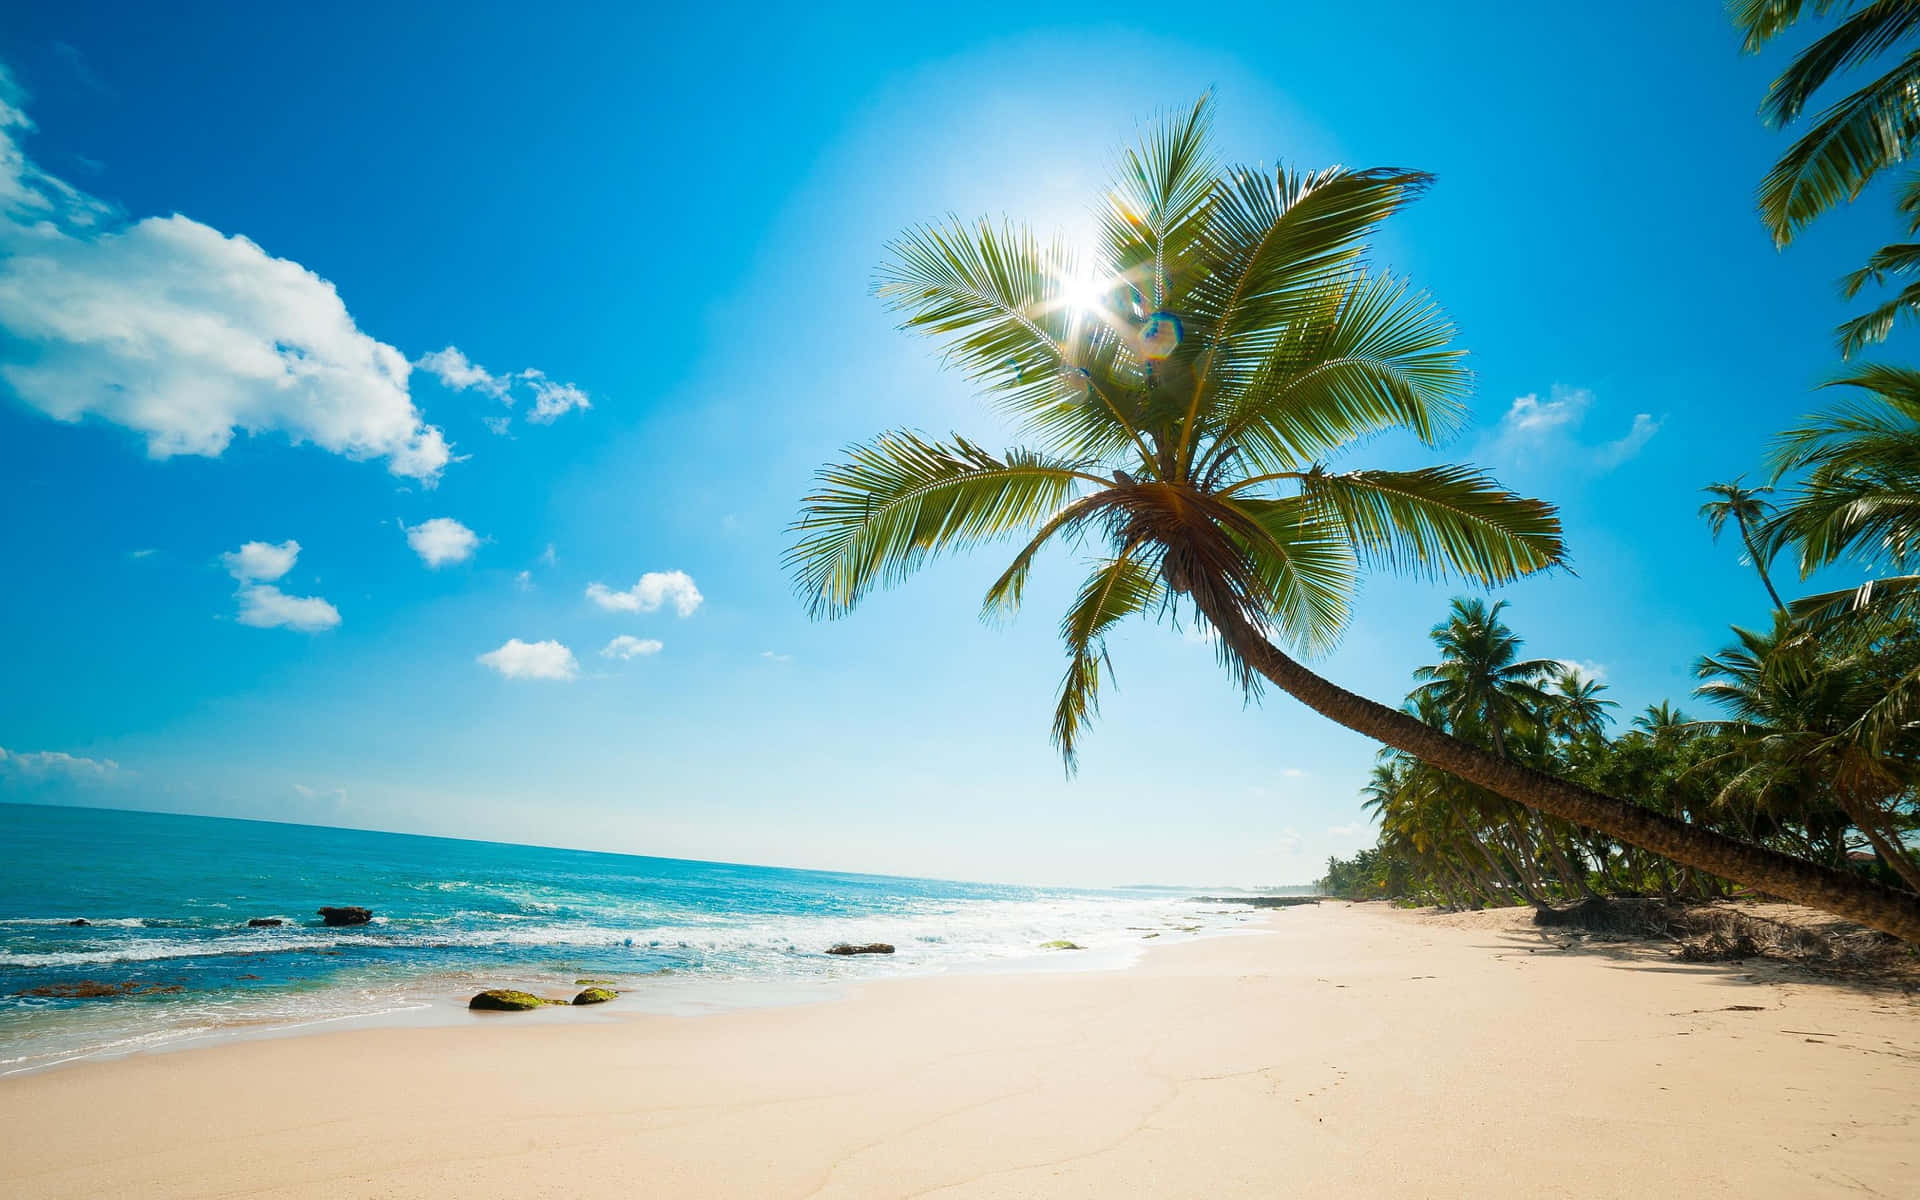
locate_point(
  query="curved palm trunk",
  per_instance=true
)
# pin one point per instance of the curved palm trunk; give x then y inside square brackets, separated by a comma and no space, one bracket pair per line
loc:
[1760,565]
[1862,900]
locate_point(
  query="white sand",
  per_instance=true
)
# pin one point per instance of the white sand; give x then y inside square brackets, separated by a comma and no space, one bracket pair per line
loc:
[1344,1051]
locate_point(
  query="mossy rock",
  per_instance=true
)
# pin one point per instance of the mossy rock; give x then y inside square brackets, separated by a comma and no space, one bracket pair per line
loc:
[1061,944]
[595,995]
[507,1000]
[593,983]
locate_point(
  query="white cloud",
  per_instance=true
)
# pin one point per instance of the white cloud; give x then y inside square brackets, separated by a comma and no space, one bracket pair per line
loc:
[551,400]
[524,581]
[1583,670]
[264,606]
[532,660]
[497,426]
[1545,430]
[548,557]
[1531,416]
[441,540]
[626,646]
[770,656]
[51,764]
[654,589]
[1353,830]
[255,561]
[147,552]
[1616,452]
[184,334]
[1294,773]
[452,369]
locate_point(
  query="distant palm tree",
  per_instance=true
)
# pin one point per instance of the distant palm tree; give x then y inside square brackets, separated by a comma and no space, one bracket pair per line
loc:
[1749,510]
[1578,709]
[1660,718]
[1852,140]
[1481,681]
[1184,386]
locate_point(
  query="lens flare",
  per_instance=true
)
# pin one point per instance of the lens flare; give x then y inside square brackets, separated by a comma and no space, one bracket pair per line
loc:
[1161,336]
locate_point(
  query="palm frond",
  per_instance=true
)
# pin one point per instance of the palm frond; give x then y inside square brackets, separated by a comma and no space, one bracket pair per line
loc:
[1162,188]
[1876,325]
[1118,588]
[1439,522]
[1882,598]
[1763,20]
[1377,355]
[1875,28]
[1305,565]
[1849,144]
[1272,244]
[1003,598]
[890,505]
[1900,258]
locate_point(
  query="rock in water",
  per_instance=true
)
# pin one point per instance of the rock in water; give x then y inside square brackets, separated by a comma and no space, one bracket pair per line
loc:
[270,922]
[349,915]
[595,995]
[1061,945]
[869,948]
[79,921]
[506,1000]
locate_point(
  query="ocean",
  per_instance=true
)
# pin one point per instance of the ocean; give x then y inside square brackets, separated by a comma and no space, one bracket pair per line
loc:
[167,900]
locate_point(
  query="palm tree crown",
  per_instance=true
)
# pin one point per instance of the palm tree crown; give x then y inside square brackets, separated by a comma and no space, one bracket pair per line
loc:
[1481,683]
[1182,388]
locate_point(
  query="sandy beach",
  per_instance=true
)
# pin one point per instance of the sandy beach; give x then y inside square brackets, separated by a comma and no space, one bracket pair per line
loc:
[1342,1050]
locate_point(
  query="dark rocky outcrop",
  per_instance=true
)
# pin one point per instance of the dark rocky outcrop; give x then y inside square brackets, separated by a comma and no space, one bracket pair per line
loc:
[507,1000]
[595,995]
[348,915]
[845,948]
[1257,901]
[79,921]
[270,922]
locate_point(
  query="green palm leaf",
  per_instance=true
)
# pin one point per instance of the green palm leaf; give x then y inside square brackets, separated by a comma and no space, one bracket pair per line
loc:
[889,506]
[1849,143]
[1440,522]
[1117,589]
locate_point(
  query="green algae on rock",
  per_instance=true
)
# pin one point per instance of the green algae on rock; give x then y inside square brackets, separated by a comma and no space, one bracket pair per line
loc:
[1061,945]
[507,1000]
[595,995]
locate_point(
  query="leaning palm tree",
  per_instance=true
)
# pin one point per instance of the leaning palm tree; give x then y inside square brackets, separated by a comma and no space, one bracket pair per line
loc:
[1749,510]
[1851,141]
[1184,388]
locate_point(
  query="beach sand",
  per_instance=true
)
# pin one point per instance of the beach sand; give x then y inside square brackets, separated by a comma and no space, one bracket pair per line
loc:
[1342,1050]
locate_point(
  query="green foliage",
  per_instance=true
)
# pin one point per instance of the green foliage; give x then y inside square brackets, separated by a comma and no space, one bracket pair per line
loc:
[1802,762]
[1183,388]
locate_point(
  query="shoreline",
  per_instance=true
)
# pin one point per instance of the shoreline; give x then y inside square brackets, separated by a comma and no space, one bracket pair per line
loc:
[1343,1050]
[439,999]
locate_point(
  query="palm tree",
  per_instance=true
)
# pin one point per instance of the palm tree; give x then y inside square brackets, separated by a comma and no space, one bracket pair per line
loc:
[1578,709]
[1749,510]
[1184,387]
[1851,141]
[1799,705]
[1659,719]
[1480,680]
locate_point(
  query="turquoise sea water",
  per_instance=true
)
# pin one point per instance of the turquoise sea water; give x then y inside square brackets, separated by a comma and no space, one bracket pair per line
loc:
[167,900]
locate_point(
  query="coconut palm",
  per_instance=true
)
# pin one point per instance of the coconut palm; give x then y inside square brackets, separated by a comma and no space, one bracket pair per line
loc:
[1578,710]
[1799,707]
[1184,389]
[1852,140]
[1481,681]
[1749,510]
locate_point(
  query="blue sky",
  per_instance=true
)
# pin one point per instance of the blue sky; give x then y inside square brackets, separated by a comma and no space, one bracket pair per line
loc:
[655,234]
